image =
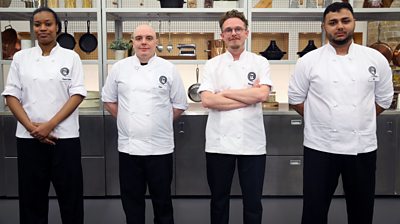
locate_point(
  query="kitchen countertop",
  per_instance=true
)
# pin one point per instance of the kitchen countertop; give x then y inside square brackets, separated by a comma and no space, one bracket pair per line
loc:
[198,109]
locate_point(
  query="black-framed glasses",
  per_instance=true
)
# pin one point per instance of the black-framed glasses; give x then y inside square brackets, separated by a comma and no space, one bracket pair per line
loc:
[229,30]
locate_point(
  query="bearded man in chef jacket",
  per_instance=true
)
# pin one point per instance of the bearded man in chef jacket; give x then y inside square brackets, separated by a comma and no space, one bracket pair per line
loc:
[340,88]
[145,93]
[233,87]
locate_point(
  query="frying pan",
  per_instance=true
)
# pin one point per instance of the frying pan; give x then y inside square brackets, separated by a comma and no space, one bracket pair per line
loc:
[65,39]
[384,48]
[396,56]
[9,39]
[88,42]
[192,91]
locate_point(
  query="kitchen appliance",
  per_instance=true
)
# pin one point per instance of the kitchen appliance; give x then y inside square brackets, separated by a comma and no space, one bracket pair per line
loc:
[187,49]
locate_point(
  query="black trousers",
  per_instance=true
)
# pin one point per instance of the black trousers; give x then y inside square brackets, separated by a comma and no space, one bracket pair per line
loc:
[220,170]
[135,173]
[320,176]
[38,165]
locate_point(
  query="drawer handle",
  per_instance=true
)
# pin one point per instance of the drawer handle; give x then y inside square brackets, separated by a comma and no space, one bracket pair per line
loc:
[181,124]
[295,162]
[296,122]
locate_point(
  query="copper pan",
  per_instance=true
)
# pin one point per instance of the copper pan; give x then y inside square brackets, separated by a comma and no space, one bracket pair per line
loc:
[384,48]
[396,56]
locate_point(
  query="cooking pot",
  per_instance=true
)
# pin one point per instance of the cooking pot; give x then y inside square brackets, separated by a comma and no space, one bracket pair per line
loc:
[215,48]
[384,48]
[88,42]
[273,52]
[396,56]
[310,46]
[171,3]
[65,39]
[9,40]
[5,3]
[192,91]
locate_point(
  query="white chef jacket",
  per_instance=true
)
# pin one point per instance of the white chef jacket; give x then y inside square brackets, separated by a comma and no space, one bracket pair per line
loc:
[239,131]
[339,95]
[43,84]
[146,96]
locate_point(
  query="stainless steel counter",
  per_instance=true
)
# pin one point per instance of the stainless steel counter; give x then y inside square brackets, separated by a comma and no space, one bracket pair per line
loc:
[198,109]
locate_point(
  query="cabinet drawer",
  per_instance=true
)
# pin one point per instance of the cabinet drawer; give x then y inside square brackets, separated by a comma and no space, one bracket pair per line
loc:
[283,175]
[284,134]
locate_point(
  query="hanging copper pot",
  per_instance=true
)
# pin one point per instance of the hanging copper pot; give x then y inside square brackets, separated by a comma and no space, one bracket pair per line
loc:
[396,56]
[384,48]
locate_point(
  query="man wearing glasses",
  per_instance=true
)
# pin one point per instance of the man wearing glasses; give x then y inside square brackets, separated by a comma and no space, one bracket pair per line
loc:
[233,86]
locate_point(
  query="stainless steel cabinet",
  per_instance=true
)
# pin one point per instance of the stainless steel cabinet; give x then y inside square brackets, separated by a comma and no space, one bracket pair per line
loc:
[111,153]
[2,161]
[284,134]
[191,177]
[386,154]
[93,166]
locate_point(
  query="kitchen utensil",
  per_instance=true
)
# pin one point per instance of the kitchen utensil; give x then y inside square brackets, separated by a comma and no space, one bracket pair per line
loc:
[273,52]
[264,4]
[396,56]
[31,3]
[159,45]
[216,47]
[88,42]
[208,3]
[65,39]
[9,39]
[384,48]
[171,3]
[5,3]
[310,46]
[192,91]
[169,46]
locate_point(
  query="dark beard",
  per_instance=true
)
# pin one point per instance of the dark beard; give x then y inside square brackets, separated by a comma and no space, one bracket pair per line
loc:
[342,42]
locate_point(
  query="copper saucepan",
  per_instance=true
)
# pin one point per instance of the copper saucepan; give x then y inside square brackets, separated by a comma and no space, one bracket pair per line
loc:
[396,56]
[384,48]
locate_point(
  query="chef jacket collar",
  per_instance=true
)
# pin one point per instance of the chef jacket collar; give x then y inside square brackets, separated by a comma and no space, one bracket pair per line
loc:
[351,54]
[229,56]
[137,61]
[53,51]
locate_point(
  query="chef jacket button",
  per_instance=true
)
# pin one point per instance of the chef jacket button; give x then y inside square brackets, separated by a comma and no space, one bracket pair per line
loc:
[334,130]
[335,105]
[335,81]
[354,105]
[238,137]
[354,131]
[147,114]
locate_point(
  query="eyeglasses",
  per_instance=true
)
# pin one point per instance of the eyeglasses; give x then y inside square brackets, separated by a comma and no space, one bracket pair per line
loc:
[229,30]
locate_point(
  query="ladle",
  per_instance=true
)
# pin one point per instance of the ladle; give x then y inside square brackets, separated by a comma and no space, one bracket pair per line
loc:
[159,45]
[169,46]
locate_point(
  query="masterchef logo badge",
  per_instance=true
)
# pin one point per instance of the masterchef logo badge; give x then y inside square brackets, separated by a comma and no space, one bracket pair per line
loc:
[162,80]
[251,77]
[65,72]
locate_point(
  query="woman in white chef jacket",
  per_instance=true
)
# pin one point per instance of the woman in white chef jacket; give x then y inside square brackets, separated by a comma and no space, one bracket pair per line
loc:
[43,90]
